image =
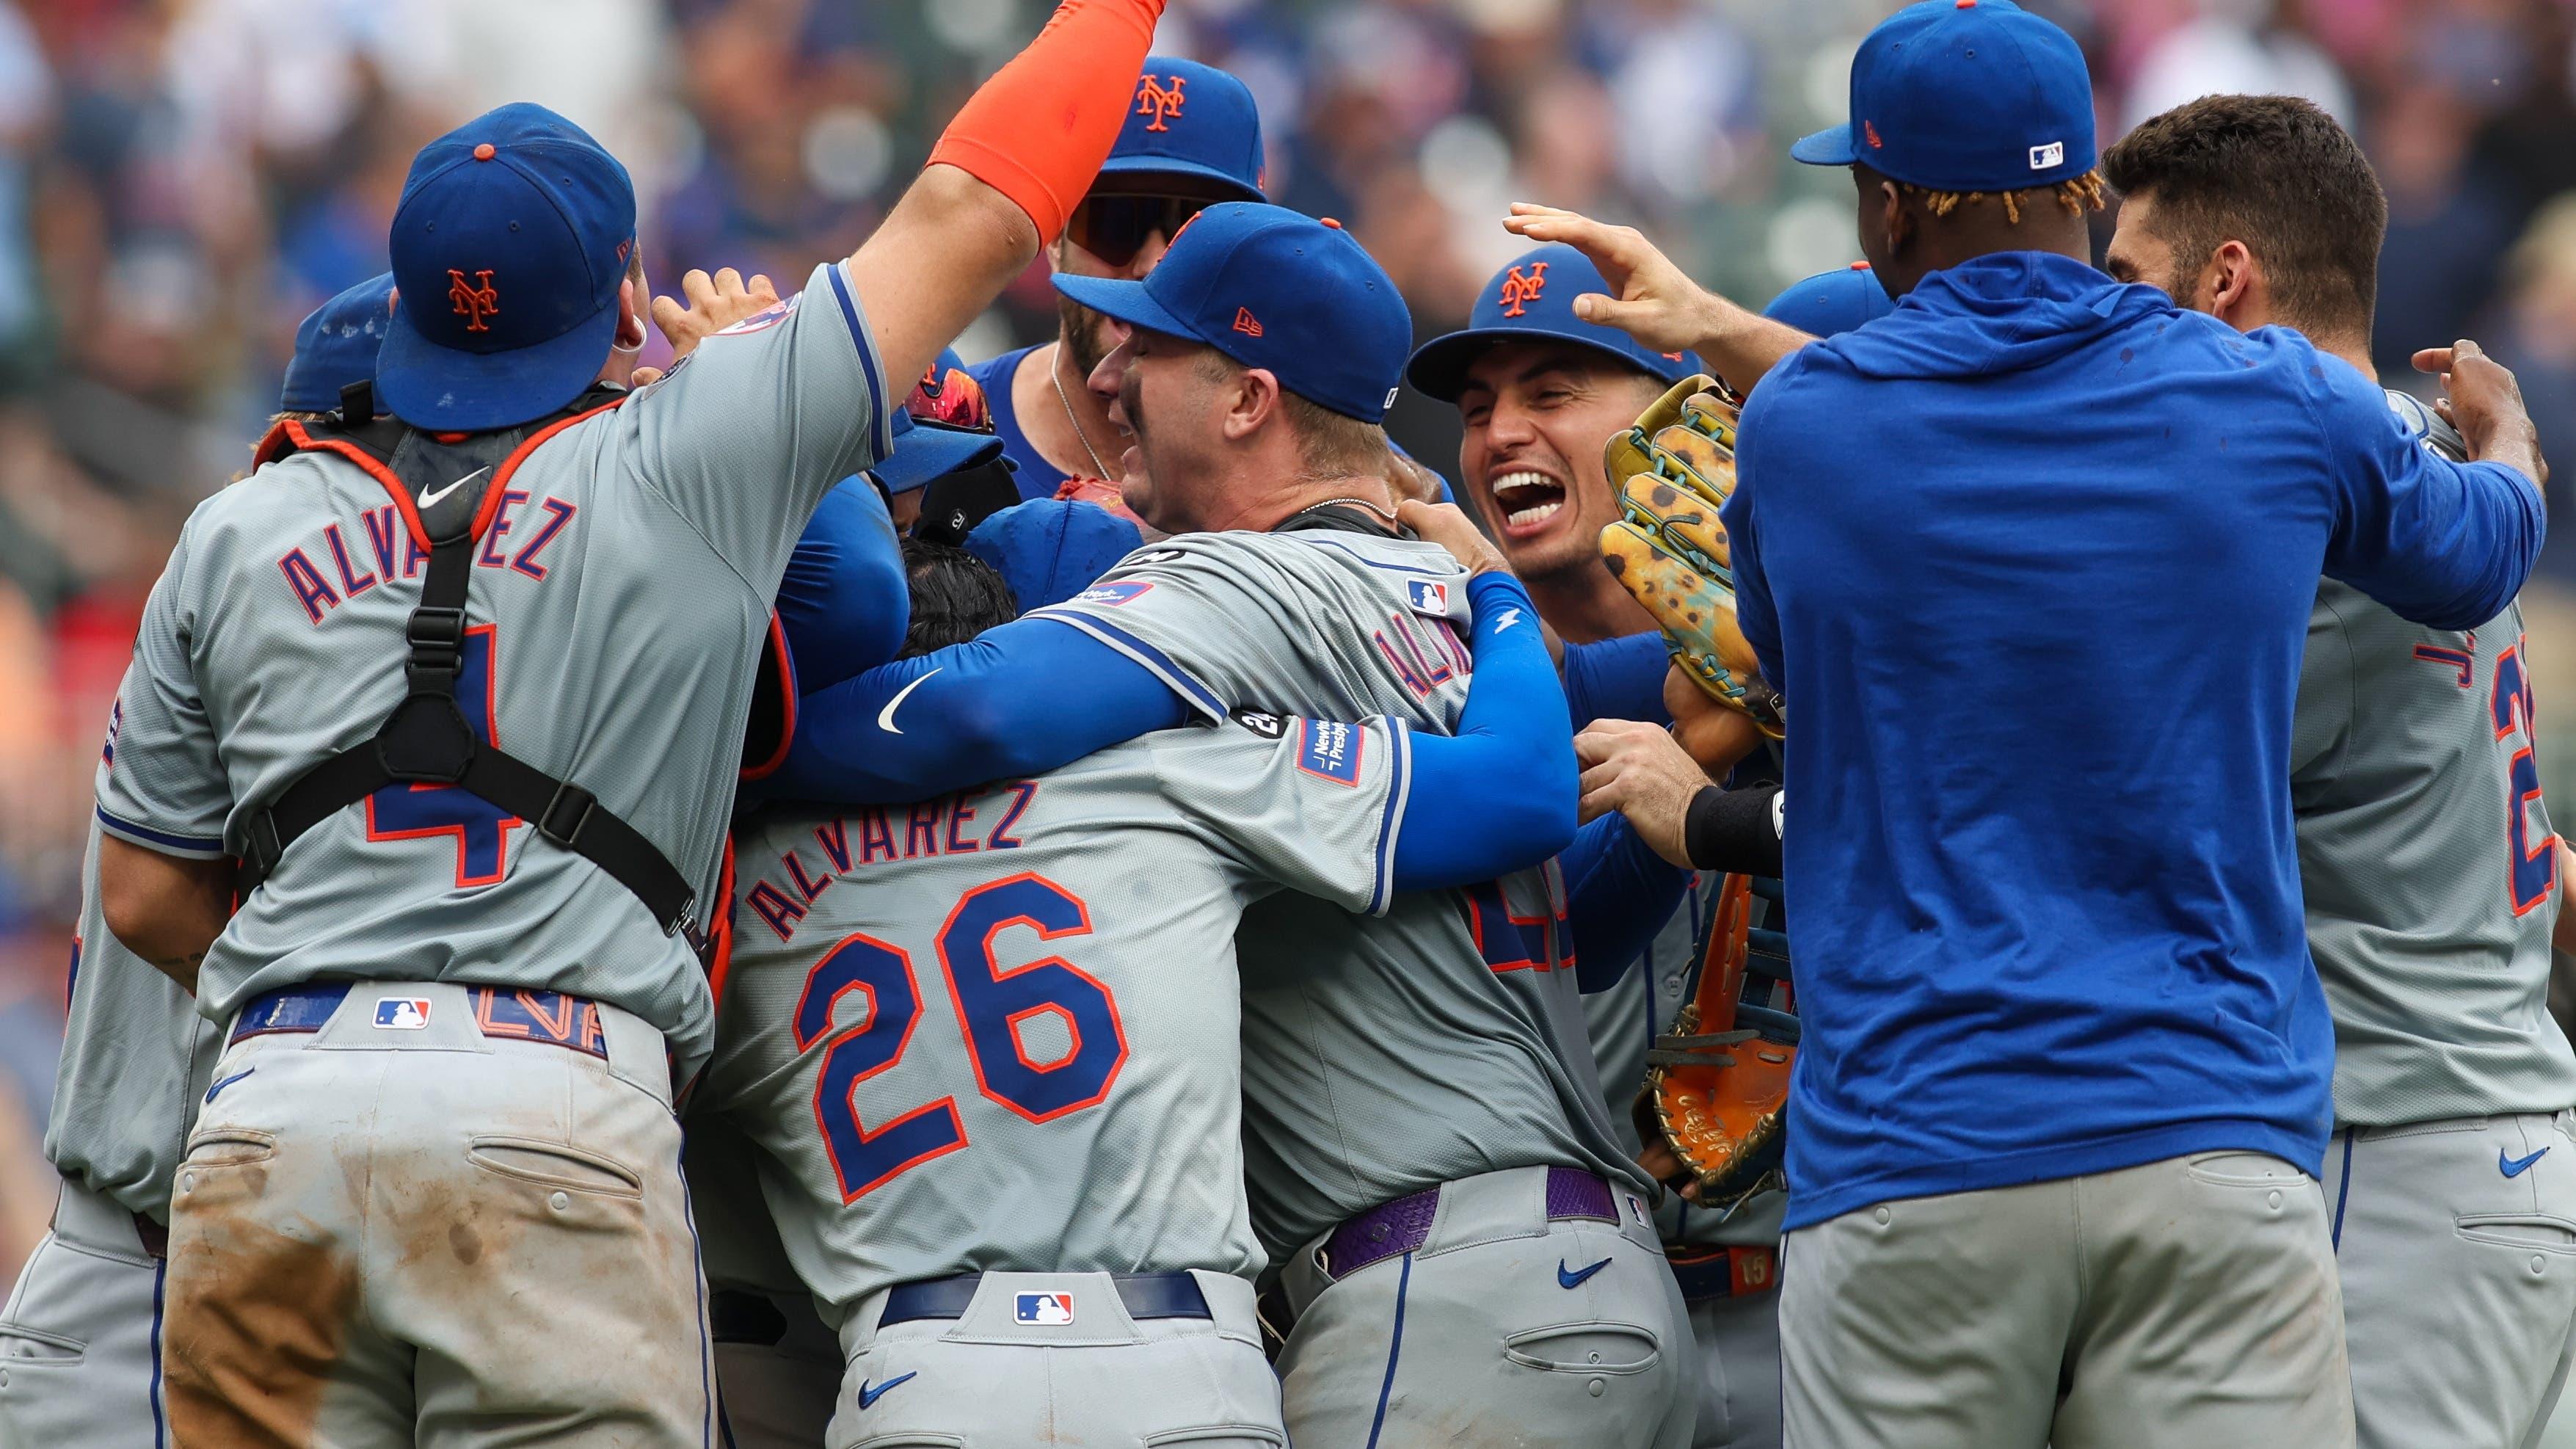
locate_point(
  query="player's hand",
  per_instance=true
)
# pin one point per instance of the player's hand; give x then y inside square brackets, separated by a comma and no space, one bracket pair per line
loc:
[1707,731]
[1660,1162]
[715,303]
[1636,769]
[1443,524]
[2485,403]
[1654,301]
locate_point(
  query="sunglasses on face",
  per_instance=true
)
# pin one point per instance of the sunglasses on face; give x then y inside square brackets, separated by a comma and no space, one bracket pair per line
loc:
[1114,228]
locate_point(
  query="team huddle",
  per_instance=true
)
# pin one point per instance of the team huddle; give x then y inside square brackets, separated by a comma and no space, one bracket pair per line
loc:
[825,895]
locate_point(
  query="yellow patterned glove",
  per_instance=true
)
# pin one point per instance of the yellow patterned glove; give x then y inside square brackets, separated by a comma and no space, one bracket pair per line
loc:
[1672,470]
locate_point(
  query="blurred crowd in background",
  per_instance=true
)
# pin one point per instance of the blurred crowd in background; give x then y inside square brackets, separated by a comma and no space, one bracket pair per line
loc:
[182,180]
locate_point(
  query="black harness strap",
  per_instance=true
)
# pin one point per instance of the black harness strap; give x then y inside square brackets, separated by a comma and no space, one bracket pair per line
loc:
[426,740]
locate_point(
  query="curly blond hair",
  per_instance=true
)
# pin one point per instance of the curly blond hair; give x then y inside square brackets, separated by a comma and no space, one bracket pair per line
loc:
[2078,195]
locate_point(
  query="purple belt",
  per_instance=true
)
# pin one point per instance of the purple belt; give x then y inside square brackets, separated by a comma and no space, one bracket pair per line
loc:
[1394,1228]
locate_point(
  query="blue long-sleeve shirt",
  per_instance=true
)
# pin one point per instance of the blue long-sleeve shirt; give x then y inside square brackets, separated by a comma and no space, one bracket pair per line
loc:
[1025,697]
[2034,555]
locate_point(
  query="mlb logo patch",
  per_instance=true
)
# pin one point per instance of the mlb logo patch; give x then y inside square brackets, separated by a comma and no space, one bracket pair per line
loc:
[1112,594]
[1331,751]
[1428,596]
[1044,1309]
[2044,157]
[402,1013]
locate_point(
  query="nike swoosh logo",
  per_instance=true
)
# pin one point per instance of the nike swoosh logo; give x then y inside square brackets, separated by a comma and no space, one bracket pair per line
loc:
[430,500]
[885,716]
[869,1396]
[246,1071]
[1577,1277]
[2514,1166]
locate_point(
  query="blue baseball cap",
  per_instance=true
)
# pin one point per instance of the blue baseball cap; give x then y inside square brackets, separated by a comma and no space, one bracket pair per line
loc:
[512,234]
[1190,120]
[1831,302]
[335,345]
[1532,300]
[1050,549]
[1964,95]
[1275,289]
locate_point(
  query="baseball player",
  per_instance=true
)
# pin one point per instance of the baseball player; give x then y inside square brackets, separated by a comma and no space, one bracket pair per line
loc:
[1539,392]
[1115,1301]
[1192,137]
[2062,1094]
[452,962]
[1459,1231]
[2431,872]
[80,1339]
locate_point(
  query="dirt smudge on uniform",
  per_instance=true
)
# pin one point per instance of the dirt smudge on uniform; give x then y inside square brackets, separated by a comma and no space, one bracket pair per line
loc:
[256,1320]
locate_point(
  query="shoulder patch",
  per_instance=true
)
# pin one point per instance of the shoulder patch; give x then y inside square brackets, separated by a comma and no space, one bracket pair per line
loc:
[1113,594]
[1331,750]
[1428,597]
[764,319]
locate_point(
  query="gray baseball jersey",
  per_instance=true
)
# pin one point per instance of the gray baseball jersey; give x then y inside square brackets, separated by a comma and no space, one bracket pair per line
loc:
[1025,995]
[1381,1056]
[136,1059]
[615,606]
[2430,868]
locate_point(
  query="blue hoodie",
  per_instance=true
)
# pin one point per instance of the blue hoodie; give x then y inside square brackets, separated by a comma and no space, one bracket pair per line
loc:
[2031,560]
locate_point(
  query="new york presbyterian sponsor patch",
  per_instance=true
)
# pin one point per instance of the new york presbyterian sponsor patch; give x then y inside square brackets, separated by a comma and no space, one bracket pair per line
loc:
[1330,750]
[1113,594]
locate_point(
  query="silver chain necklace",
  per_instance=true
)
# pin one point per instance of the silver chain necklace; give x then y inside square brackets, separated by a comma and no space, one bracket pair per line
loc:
[1055,374]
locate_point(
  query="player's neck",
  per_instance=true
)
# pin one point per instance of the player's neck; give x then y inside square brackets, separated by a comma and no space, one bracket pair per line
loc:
[1042,414]
[2355,350]
[1262,511]
[1585,606]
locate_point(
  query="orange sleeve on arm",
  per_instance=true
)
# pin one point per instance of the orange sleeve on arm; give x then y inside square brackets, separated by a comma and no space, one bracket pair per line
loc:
[1039,129]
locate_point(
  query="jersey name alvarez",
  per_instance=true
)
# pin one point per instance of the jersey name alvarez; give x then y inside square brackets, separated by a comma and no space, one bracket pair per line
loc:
[340,563]
[966,823]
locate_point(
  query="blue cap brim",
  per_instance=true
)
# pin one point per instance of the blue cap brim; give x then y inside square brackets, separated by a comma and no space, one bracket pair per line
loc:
[437,389]
[1174,166]
[930,450]
[1439,367]
[1827,148]
[1128,302]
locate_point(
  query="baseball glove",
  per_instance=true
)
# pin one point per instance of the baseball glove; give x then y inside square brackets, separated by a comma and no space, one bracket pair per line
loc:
[1672,470]
[1717,1086]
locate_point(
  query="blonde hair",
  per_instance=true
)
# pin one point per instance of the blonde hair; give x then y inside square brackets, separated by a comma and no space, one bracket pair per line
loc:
[2078,195]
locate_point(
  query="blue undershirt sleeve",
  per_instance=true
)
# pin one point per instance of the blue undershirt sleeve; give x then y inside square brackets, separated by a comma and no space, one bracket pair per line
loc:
[1619,678]
[1499,795]
[844,602]
[1015,701]
[1619,894]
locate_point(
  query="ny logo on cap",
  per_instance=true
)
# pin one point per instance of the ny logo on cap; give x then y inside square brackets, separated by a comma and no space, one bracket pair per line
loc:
[1519,290]
[473,303]
[1153,100]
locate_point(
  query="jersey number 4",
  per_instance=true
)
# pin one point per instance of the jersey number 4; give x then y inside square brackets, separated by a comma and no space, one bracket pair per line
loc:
[992,1002]
[415,812]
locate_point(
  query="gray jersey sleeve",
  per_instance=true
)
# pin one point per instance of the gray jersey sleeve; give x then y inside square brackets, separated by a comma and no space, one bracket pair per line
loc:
[164,786]
[749,432]
[1310,804]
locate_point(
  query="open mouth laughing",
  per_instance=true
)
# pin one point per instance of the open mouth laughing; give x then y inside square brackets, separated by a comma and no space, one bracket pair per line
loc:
[1527,499]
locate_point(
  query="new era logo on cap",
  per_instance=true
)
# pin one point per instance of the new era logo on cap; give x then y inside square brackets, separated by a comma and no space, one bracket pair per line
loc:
[2044,157]
[1045,1309]
[402,1013]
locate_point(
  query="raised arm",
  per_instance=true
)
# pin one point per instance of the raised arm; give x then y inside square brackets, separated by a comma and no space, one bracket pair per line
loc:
[1657,303]
[1002,179]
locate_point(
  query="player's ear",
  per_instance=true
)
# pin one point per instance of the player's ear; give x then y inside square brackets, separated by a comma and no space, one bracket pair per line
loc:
[1894,221]
[630,316]
[1251,403]
[2231,284]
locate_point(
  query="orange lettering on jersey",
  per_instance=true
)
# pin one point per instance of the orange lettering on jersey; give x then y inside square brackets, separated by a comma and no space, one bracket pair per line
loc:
[475,303]
[1159,101]
[1519,289]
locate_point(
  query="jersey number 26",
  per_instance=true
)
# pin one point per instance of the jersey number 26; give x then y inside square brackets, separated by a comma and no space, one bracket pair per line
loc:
[991,1004]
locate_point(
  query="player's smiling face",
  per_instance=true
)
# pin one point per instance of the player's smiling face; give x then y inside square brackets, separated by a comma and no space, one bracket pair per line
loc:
[1160,394]
[1537,416]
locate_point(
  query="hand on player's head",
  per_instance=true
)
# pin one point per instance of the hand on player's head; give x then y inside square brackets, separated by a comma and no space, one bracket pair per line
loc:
[1654,301]
[2485,403]
[1445,525]
[714,304]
